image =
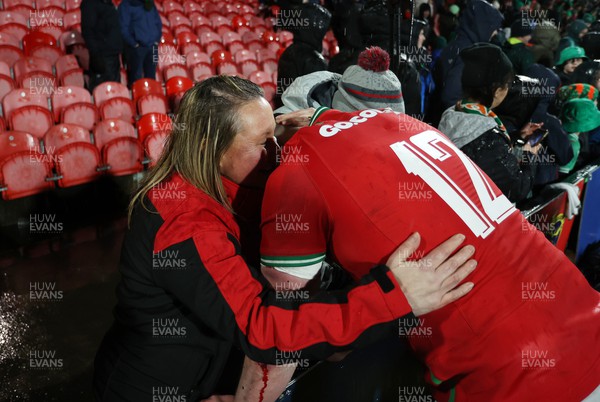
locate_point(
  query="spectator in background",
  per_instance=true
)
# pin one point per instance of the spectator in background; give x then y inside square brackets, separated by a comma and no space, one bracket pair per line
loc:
[344,23]
[545,38]
[556,149]
[575,32]
[142,28]
[578,116]
[374,24]
[304,55]
[516,47]
[368,85]
[446,21]
[591,44]
[102,34]
[570,58]
[478,131]
[479,22]
[588,72]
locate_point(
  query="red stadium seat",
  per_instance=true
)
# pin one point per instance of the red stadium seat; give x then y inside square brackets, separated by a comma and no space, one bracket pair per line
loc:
[121,152]
[47,17]
[266,54]
[152,103]
[153,122]
[73,105]
[2,125]
[190,7]
[190,47]
[24,170]
[179,29]
[68,71]
[41,4]
[17,30]
[218,20]
[259,77]
[50,53]
[118,108]
[72,20]
[54,31]
[250,36]
[243,55]
[108,90]
[235,47]
[7,17]
[70,38]
[8,39]
[191,59]
[176,88]
[220,56]
[167,39]
[145,86]
[201,70]
[72,4]
[177,18]
[154,145]
[227,68]
[4,69]
[33,119]
[29,64]
[206,37]
[224,29]
[18,98]
[231,36]
[187,37]
[247,67]
[255,46]
[6,85]
[22,8]
[198,19]
[171,5]
[175,70]
[10,54]
[202,29]
[270,65]
[34,39]
[39,82]
[285,37]
[77,161]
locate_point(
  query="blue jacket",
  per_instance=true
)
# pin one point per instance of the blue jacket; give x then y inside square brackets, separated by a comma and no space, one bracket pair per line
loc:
[138,25]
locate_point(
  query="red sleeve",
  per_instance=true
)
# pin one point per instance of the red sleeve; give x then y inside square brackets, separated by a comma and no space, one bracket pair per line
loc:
[295,221]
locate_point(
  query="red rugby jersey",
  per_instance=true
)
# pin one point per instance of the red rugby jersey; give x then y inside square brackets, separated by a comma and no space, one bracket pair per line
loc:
[355,185]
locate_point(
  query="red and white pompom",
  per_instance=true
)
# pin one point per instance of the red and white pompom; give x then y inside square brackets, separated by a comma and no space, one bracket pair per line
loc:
[374,59]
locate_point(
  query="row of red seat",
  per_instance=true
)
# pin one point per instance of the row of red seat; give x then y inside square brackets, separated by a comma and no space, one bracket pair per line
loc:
[36,112]
[68,155]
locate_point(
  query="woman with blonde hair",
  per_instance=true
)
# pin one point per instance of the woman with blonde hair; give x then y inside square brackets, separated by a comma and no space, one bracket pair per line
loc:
[186,294]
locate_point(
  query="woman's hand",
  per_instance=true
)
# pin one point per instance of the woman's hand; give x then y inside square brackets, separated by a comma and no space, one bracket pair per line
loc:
[433,281]
[299,118]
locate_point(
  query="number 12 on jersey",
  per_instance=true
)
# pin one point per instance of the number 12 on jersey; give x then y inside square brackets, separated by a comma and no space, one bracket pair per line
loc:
[421,157]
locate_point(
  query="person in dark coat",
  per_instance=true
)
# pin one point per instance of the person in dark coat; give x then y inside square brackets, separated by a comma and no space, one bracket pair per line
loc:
[344,23]
[576,30]
[556,149]
[304,55]
[374,25]
[478,131]
[545,38]
[142,29]
[516,47]
[102,34]
[479,22]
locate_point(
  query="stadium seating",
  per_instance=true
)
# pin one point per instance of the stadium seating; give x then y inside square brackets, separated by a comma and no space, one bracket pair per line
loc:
[152,103]
[73,105]
[77,160]
[145,86]
[27,111]
[24,170]
[68,71]
[175,88]
[121,152]
[108,90]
